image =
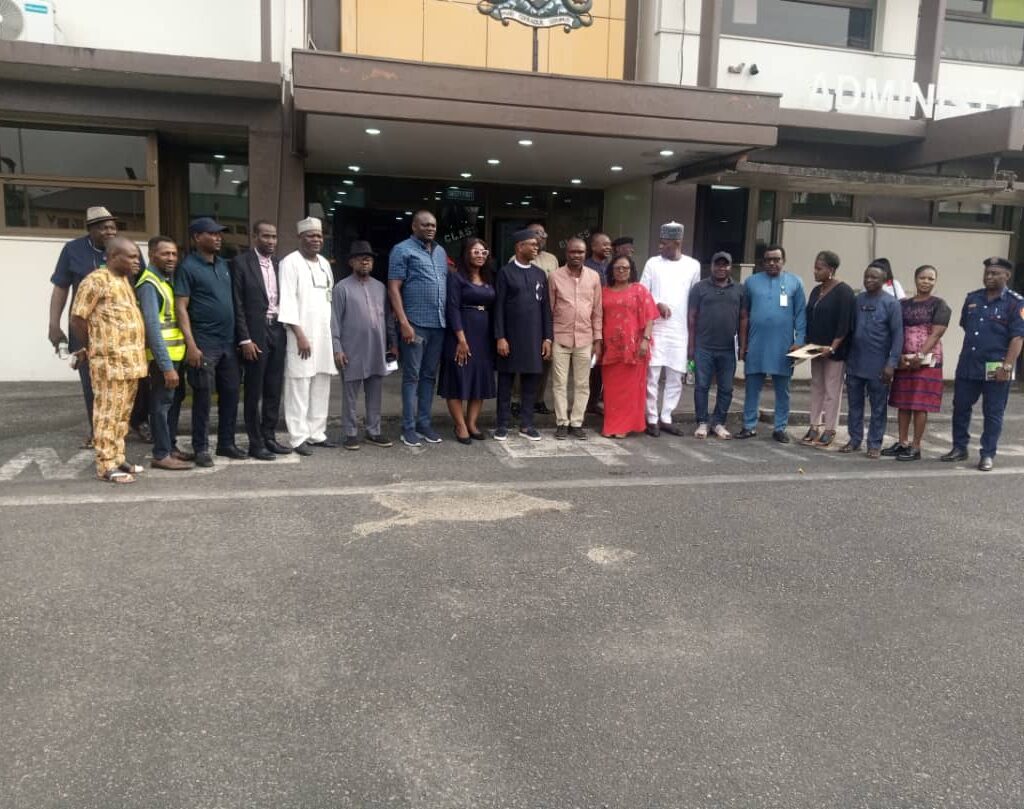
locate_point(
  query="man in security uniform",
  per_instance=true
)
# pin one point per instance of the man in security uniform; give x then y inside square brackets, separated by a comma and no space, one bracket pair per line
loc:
[993,322]
[165,351]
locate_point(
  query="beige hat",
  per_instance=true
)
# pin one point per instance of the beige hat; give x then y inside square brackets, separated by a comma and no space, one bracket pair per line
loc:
[97,214]
[308,224]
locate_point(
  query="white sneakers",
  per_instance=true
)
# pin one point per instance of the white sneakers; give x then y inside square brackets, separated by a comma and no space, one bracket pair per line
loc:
[701,431]
[721,432]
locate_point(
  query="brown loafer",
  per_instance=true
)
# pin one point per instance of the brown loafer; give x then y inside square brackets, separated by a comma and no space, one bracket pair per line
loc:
[170,463]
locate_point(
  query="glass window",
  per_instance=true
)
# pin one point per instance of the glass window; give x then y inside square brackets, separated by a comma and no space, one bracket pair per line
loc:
[220,189]
[72,154]
[836,24]
[764,233]
[63,208]
[966,213]
[986,31]
[818,205]
[970,6]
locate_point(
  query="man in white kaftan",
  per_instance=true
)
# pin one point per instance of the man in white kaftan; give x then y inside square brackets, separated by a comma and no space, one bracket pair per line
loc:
[669,277]
[306,282]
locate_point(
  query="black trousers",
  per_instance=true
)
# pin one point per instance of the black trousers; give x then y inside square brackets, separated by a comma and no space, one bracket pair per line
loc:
[528,389]
[141,408]
[264,380]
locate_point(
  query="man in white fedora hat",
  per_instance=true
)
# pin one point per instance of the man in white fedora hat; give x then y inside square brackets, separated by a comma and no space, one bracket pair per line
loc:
[305,309]
[78,258]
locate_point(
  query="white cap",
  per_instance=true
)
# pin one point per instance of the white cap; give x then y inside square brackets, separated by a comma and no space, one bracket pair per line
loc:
[308,224]
[671,231]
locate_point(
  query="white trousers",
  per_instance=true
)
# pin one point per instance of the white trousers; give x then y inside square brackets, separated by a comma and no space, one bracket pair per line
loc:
[673,390]
[305,408]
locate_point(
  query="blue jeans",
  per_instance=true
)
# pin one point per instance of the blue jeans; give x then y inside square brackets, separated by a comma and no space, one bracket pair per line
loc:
[419,375]
[720,364]
[877,393]
[994,396]
[752,400]
[222,374]
[164,409]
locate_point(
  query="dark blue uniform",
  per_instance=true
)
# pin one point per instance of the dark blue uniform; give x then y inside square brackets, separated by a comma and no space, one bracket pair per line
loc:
[989,326]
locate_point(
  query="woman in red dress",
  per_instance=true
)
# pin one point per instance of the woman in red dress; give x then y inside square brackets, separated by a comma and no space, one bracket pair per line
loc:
[629,315]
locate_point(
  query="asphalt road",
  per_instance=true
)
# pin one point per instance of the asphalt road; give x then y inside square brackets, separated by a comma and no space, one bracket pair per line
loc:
[649,623]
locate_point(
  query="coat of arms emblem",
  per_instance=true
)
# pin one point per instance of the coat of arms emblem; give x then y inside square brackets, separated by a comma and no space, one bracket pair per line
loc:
[540,13]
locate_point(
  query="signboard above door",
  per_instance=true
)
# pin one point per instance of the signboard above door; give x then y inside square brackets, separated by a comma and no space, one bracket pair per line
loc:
[569,14]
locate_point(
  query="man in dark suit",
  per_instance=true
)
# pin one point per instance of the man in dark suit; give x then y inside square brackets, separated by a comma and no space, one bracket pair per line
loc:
[261,339]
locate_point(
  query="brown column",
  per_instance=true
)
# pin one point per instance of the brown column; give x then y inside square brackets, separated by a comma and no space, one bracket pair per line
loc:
[276,176]
[632,40]
[928,53]
[710,34]
[266,23]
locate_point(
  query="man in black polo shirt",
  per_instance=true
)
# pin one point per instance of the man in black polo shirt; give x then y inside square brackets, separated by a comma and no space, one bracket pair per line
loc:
[203,300]
[716,320]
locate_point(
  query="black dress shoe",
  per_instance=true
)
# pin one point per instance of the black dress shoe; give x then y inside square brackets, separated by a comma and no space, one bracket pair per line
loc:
[232,452]
[985,464]
[652,430]
[908,454]
[276,448]
[671,429]
[781,436]
[954,455]
[745,433]
[477,436]
[895,450]
[261,454]
[204,460]
[467,440]
[325,444]
[303,449]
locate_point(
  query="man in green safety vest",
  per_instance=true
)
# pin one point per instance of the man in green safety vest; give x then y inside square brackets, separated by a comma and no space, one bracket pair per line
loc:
[165,351]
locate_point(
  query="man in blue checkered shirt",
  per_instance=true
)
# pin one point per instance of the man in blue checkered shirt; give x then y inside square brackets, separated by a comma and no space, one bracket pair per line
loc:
[417,289]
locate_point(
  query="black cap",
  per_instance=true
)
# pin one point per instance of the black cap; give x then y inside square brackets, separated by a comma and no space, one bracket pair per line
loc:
[997,261]
[622,240]
[720,255]
[523,235]
[206,224]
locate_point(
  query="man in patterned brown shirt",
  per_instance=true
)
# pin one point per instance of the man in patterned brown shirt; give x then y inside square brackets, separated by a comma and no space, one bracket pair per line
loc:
[106,319]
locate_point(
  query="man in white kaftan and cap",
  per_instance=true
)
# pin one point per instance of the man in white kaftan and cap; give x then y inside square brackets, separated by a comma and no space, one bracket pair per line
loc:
[669,277]
[304,305]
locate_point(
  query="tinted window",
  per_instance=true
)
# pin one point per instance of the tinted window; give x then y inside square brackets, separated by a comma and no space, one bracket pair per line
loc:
[72,154]
[797,21]
[983,42]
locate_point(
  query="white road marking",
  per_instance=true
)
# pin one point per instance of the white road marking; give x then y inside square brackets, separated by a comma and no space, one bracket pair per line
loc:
[607,555]
[220,464]
[870,472]
[646,452]
[602,450]
[678,446]
[456,505]
[49,463]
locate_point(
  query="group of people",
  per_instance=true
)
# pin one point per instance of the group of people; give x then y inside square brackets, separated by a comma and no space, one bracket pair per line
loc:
[279,329]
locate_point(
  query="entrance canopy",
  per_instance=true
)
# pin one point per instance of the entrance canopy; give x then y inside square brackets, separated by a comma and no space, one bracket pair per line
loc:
[408,119]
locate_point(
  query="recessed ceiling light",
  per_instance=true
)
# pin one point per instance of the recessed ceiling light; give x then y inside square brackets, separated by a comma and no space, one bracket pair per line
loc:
[616,168]
[526,142]
[349,182]
[493,161]
[453,188]
[237,182]
[575,181]
[220,157]
[408,213]
[480,217]
[372,131]
[666,153]
[343,193]
[554,193]
[509,204]
[524,202]
[353,168]
[465,175]
[398,219]
[228,171]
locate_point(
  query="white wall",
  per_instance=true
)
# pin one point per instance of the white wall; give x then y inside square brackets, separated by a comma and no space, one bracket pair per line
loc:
[225,29]
[627,212]
[957,254]
[24,311]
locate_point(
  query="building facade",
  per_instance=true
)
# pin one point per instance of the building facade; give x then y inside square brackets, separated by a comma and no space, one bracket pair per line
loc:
[869,127]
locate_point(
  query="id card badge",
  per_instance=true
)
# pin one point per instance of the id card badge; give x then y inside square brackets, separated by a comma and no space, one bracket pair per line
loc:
[327,295]
[783,300]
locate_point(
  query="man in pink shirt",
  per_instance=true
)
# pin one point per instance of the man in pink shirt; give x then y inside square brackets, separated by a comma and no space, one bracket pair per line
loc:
[575,293]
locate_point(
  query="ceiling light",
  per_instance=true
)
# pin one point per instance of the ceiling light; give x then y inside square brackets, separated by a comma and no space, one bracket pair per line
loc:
[554,193]
[493,161]
[465,175]
[524,202]
[408,213]
[398,219]
[666,153]
[616,168]
[372,131]
[526,142]
[237,182]
[228,171]
[349,182]
[480,217]
[353,168]
[575,181]
[343,193]
[220,157]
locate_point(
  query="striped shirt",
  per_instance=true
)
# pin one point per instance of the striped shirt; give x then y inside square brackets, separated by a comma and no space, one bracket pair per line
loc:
[117,334]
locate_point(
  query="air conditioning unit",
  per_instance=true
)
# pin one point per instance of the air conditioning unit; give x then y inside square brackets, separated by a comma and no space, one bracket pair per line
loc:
[28,21]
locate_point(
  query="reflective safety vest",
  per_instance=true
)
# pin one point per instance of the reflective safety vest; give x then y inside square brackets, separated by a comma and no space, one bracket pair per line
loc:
[173,337]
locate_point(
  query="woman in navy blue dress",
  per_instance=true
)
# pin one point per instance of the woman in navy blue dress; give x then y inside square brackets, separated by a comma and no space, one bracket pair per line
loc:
[467,360]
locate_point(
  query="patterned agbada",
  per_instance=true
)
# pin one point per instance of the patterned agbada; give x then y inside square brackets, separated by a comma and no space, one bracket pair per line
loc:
[117,359]
[117,333]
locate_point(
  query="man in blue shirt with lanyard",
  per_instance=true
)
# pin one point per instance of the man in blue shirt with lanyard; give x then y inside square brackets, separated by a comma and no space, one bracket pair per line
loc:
[204,303]
[417,289]
[78,258]
[993,321]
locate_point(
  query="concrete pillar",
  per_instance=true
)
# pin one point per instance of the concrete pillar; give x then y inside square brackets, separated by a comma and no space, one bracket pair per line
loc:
[276,175]
[928,51]
[710,36]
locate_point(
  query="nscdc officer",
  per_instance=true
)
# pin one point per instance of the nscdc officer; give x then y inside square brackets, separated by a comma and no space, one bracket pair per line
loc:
[993,321]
